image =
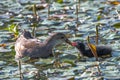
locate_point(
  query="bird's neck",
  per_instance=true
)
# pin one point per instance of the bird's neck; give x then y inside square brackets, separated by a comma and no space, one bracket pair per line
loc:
[82,50]
[51,43]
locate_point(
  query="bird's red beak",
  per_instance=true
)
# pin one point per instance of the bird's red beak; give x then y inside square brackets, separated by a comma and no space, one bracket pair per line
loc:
[74,43]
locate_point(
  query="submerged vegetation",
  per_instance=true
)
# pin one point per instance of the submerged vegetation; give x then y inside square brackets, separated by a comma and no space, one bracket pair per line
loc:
[78,19]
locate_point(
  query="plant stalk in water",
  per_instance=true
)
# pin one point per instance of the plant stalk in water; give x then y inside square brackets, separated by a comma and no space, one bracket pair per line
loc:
[97,35]
[19,66]
[94,51]
[77,15]
[34,24]
[92,48]
[48,9]
[34,10]
[78,5]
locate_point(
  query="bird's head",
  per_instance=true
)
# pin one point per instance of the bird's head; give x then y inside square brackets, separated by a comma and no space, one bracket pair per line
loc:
[78,45]
[27,34]
[60,37]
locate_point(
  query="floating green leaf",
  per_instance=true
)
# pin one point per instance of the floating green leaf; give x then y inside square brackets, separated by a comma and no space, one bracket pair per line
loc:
[70,62]
[59,1]
[14,29]
[116,25]
[99,17]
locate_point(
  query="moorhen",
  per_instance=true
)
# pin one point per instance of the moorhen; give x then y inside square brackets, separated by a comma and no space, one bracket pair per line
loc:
[101,50]
[27,45]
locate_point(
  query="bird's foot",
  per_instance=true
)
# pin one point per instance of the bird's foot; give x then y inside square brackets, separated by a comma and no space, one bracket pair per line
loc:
[57,64]
[80,58]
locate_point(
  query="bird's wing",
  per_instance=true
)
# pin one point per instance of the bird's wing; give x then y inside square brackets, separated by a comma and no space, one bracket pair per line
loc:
[22,45]
[31,43]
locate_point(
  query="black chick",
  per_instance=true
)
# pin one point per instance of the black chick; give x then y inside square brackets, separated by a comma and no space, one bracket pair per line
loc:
[102,51]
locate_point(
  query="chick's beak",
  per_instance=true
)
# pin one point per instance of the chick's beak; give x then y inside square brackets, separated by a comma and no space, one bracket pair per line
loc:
[73,43]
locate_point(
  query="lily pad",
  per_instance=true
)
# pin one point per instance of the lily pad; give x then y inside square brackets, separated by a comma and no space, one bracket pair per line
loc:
[116,25]
[2,63]
[3,50]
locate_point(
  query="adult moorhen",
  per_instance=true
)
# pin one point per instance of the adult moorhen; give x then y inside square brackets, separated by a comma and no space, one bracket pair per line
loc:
[27,45]
[101,50]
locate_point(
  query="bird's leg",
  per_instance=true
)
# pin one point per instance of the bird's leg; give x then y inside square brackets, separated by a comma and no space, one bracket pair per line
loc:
[20,72]
[57,60]
[79,57]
